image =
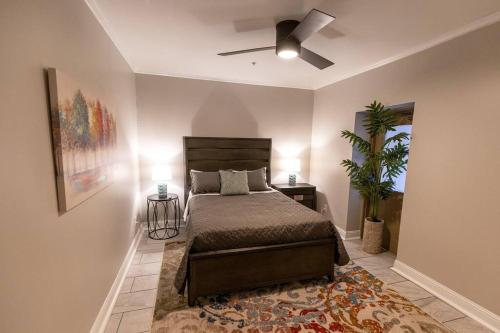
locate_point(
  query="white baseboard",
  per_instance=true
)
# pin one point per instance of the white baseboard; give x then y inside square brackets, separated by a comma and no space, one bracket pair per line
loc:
[348,235]
[107,307]
[461,303]
[353,234]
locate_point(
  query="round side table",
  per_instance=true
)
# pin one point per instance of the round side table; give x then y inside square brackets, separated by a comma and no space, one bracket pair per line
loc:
[160,206]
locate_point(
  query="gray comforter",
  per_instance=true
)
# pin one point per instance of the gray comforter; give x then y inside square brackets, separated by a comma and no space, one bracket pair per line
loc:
[219,222]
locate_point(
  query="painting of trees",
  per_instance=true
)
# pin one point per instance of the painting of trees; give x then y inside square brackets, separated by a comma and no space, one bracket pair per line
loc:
[86,125]
[105,126]
[80,121]
[96,130]
[112,130]
[85,139]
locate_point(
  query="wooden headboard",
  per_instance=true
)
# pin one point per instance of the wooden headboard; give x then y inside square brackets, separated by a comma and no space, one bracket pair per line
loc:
[213,154]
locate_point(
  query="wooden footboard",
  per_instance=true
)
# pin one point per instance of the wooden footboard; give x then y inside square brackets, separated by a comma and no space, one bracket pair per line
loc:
[218,272]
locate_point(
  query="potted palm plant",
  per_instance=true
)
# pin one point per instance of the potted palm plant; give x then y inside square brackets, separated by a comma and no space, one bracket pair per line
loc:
[382,163]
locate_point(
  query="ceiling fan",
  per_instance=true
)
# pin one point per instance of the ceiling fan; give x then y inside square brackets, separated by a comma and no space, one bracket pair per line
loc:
[289,36]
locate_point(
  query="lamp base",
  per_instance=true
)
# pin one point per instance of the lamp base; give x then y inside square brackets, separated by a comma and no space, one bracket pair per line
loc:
[162,190]
[292,180]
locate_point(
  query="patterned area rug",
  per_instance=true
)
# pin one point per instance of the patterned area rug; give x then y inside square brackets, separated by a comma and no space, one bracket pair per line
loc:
[355,302]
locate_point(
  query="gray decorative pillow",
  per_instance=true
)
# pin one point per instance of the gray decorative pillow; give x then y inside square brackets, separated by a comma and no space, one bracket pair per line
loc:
[205,181]
[257,180]
[233,182]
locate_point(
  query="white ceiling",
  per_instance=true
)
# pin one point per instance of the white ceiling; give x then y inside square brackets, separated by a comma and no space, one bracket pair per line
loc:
[182,37]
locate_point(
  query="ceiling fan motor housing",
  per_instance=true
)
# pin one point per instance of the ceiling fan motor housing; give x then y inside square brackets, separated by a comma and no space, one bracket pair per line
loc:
[283,39]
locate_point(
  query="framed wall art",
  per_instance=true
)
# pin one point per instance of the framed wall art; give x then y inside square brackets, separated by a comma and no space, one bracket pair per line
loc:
[83,139]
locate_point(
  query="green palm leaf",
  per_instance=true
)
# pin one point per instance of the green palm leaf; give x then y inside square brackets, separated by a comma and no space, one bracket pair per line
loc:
[361,144]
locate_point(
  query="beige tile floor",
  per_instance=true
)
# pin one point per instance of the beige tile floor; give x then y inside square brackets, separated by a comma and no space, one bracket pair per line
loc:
[133,311]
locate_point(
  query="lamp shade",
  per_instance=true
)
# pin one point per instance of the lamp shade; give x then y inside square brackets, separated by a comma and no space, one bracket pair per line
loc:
[292,165]
[161,172]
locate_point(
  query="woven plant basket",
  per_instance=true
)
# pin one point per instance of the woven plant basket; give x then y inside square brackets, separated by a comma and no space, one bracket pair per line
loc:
[372,236]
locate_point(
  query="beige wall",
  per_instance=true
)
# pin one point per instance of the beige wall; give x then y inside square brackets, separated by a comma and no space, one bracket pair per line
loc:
[449,227]
[170,108]
[57,270]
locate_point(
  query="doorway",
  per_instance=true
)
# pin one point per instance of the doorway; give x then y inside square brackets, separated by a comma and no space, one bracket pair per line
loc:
[390,210]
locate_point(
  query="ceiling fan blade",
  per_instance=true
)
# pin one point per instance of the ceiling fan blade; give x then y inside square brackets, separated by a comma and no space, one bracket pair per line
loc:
[313,22]
[247,51]
[314,59]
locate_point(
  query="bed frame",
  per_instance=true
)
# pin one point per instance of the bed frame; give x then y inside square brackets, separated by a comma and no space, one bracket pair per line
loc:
[216,272]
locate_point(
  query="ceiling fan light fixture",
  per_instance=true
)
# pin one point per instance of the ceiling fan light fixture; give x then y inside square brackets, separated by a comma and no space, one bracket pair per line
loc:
[288,48]
[287,54]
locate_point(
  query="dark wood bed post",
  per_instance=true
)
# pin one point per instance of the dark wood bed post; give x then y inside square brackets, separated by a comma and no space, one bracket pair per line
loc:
[216,272]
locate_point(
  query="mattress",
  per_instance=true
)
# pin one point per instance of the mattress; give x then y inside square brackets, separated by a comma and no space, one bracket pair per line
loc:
[216,222]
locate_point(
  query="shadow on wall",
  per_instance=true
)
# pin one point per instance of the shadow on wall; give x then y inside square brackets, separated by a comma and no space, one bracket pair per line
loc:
[322,205]
[223,114]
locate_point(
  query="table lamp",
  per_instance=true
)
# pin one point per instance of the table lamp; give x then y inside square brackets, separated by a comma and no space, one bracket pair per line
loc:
[161,173]
[292,166]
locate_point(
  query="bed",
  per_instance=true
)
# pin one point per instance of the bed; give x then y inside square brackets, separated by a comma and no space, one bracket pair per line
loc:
[248,241]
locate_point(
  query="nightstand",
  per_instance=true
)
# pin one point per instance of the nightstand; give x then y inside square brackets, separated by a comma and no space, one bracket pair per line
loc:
[160,207]
[301,192]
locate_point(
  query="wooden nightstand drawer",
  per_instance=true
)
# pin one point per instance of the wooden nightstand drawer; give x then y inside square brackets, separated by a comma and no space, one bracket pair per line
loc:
[302,192]
[300,197]
[298,191]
